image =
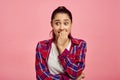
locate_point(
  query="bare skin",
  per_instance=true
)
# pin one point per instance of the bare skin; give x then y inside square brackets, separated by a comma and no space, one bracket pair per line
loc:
[82,76]
[62,41]
[61,26]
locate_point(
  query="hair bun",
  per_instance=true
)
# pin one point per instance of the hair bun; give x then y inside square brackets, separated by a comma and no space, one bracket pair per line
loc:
[61,7]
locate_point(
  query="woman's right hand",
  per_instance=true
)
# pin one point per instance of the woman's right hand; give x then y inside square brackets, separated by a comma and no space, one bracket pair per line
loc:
[62,41]
[82,76]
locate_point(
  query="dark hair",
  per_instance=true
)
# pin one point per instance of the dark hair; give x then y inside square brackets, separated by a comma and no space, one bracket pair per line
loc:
[61,9]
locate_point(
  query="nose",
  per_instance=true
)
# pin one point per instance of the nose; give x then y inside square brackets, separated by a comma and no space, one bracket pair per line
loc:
[61,26]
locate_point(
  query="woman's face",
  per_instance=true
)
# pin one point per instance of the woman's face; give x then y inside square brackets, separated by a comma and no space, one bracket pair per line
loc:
[61,22]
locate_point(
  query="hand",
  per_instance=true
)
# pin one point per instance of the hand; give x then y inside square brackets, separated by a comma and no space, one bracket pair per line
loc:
[82,76]
[62,41]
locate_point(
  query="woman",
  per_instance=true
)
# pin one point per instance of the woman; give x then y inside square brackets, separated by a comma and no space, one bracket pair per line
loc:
[62,57]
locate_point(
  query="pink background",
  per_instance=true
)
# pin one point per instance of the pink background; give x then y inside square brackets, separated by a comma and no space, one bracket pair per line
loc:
[25,22]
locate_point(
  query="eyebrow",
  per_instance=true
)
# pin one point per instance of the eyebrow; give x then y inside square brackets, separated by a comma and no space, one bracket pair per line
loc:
[64,20]
[57,20]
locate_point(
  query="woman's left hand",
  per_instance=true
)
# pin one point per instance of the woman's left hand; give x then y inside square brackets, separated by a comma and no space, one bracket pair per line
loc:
[62,41]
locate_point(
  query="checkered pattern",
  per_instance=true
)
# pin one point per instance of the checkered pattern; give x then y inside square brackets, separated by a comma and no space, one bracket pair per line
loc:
[73,61]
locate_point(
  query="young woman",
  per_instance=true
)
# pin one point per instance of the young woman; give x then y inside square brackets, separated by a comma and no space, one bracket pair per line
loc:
[62,57]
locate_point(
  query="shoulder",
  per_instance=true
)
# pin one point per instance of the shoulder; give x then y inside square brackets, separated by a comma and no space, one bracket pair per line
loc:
[44,43]
[78,41]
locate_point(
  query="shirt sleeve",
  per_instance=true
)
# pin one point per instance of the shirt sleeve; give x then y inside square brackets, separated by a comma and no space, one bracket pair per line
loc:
[42,72]
[74,63]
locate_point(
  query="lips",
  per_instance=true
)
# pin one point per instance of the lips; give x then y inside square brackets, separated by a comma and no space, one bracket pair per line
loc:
[59,31]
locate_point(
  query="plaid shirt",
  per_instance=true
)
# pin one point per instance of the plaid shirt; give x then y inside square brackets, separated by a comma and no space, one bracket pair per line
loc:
[73,61]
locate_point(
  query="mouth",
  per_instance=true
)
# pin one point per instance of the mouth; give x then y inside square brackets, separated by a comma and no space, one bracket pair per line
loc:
[59,31]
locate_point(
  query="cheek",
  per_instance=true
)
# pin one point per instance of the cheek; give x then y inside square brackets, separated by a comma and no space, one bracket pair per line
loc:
[68,29]
[55,29]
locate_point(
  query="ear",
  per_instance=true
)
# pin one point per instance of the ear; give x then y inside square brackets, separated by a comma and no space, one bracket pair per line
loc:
[71,24]
[51,24]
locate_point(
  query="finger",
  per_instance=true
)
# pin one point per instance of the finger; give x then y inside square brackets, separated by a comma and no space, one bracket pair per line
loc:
[83,75]
[64,32]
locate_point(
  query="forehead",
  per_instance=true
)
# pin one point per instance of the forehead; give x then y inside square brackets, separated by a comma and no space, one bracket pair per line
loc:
[61,16]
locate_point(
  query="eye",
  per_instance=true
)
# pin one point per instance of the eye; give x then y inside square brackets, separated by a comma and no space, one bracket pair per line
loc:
[66,23]
[57,23]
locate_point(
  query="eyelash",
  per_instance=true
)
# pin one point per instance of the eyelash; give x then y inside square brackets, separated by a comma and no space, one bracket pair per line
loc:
[65,23]
[57,23]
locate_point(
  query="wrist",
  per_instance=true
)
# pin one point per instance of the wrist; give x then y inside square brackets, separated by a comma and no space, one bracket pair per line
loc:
[61,50]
